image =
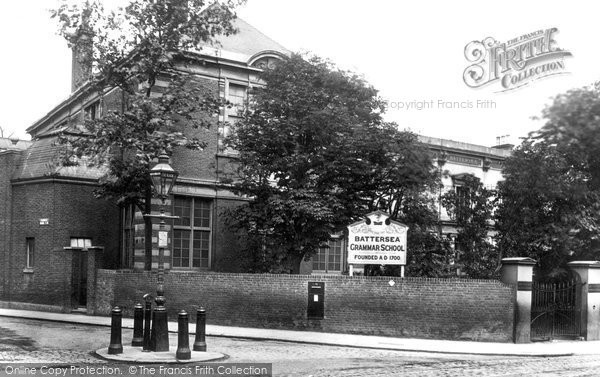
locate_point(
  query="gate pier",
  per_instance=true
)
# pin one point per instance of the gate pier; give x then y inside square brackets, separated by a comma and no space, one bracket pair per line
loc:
[589,273]
[519,272]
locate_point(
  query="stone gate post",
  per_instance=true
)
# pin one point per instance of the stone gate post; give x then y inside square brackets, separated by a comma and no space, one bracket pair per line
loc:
[589,273]
[94,262]
[519,272]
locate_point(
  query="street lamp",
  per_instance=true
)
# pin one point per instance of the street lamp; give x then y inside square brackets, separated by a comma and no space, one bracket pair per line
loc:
[163,179]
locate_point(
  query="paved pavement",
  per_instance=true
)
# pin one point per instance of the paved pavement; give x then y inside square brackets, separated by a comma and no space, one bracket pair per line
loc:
[538,349]
[28,341]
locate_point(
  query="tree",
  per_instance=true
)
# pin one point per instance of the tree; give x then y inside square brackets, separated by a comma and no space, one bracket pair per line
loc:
[133,49]
[427,253]
[3,131]
[315,155]
[573,127]
[547,209]
[549,203]
[471,206]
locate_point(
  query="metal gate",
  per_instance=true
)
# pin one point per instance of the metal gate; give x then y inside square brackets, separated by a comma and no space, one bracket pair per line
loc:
[555,310]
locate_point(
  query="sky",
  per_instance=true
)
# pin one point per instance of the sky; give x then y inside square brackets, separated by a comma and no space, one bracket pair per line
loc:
[413,52]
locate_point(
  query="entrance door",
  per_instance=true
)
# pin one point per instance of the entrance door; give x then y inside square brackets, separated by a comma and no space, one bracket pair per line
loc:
[555,310]
[79,279]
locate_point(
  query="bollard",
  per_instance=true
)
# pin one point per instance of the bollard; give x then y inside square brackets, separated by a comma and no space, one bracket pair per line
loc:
[183,337]
[147,321]
[115,346]
[138,326]
[200,342]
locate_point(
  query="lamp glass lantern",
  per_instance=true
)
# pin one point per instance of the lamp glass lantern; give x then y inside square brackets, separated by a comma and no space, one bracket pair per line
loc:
[163,177]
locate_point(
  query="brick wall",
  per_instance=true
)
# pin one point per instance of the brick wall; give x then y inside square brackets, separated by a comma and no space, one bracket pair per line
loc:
[199,164]
[412,307]
[7,163]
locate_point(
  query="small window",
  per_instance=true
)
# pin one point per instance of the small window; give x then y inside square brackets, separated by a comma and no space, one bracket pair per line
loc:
[92,111]
[29,252]
[81,242]
[237,96]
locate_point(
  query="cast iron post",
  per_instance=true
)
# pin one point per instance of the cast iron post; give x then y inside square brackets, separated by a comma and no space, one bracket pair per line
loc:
[200,342]
[147,321]
[115,346]
[183,338]
[163,178]
[160,324]
[138,325]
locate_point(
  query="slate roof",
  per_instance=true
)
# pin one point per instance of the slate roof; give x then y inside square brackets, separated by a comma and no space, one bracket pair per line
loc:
[41,159]
[249,40]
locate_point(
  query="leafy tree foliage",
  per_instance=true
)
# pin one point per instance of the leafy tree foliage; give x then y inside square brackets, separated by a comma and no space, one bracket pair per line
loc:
[573,128]
[133,49]
[471,206]
[428,251]
[547,210]
[315,155]
[549,203]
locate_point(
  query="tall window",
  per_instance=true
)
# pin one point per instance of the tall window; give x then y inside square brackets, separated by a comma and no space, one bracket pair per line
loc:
[463,198]
[191,232]
[128,236]
[29,252]
[237,96]
[329,259]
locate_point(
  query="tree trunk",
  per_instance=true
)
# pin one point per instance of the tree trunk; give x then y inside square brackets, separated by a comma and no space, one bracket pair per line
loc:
[292,263]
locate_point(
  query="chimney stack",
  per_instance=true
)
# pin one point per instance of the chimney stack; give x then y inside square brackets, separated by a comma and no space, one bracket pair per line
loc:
[81,68]
[504,142]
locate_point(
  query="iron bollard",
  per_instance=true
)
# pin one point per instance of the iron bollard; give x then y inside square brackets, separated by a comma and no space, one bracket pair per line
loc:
[183,338]
[115,346]
[147,321]
[138,325]
[200,342]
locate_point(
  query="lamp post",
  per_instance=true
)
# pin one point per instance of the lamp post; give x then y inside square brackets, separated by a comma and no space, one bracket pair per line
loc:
[163,179]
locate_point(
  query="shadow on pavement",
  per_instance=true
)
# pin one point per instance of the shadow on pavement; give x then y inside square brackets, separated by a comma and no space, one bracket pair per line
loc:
[9,339]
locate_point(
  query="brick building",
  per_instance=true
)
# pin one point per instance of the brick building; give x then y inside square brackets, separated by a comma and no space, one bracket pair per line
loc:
[49,215]
[455,159]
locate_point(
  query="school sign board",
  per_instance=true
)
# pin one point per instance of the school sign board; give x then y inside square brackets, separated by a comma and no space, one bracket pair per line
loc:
[377,240]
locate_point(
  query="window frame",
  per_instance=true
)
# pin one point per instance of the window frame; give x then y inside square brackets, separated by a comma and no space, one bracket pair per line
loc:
[232,115]
[29,253]
[87,242]
[92,111]
[193,229]
[128,236]
[326,255]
